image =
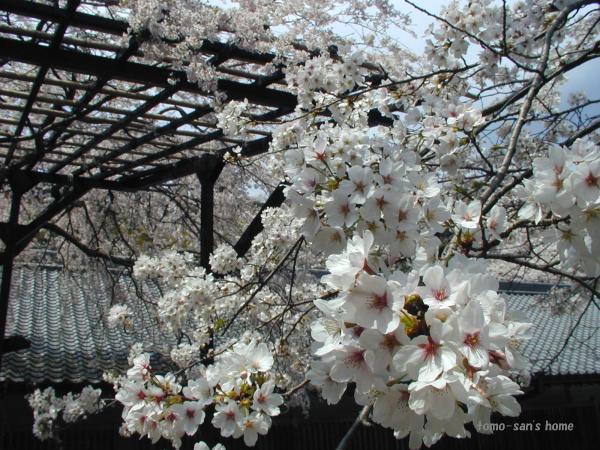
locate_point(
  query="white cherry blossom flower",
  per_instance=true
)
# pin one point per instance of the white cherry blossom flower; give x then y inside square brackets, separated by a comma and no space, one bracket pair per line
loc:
[344,267]
[438,291]
[473,334]
[467,216]
[260,358]
[496,222]
[141,367]
[391,410]
[493,394]
[401,213]
[226,418]
[425,357]
[433,397]
[384,346]
[359,185]
[251,425]
[340,211]
[190,416]
[329,240]
[354,363]
[320,376]
[585,183]
[265,400]
[371,304]
[200,390]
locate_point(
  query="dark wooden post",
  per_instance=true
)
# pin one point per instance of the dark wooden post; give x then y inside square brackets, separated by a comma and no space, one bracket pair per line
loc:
[8,236]
[208,173]
[275,200]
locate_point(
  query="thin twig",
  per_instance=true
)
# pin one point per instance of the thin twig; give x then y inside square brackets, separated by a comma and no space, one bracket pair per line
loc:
[361,417]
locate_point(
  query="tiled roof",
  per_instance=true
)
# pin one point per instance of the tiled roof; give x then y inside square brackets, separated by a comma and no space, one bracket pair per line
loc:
[581,356]
[61,314]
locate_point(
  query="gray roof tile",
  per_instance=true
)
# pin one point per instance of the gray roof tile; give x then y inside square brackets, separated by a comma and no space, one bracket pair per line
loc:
[61,313]
[581,356]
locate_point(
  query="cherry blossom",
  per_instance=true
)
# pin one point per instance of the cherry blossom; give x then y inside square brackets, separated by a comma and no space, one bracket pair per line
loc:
[403,174]
[371,304]
[227,418]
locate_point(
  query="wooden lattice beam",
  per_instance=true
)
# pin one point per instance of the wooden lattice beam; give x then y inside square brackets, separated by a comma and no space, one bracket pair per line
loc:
[119,28]
[41,73]
[100,66]
[136,142]
[106,134]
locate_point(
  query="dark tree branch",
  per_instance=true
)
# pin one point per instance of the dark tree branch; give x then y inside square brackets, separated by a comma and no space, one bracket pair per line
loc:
[94,253]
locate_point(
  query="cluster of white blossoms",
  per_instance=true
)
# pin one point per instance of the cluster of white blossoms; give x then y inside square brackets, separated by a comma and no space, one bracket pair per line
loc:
[48,409]
[120,315]
[345,181]
[217,367]
[428,357]
[225,260]
[238,384]
[566,184]
[324,74]
[427,341]
[415,324]
[230,118]
[193,300]
[171,266]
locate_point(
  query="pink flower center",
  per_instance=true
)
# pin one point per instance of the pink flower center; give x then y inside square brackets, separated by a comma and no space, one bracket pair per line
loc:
[190,413]
[439,294]
[401,235]
[389,341]
[591,180]
[498,358]
[367,268]
[557,183]
[402,215]
[379,302]
[359,186]
[472,339]
[558,168]
[357,330]
[356,358]
[430,349]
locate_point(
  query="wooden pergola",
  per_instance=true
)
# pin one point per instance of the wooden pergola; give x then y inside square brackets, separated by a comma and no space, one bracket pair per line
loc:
[82,108]
[80,111]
